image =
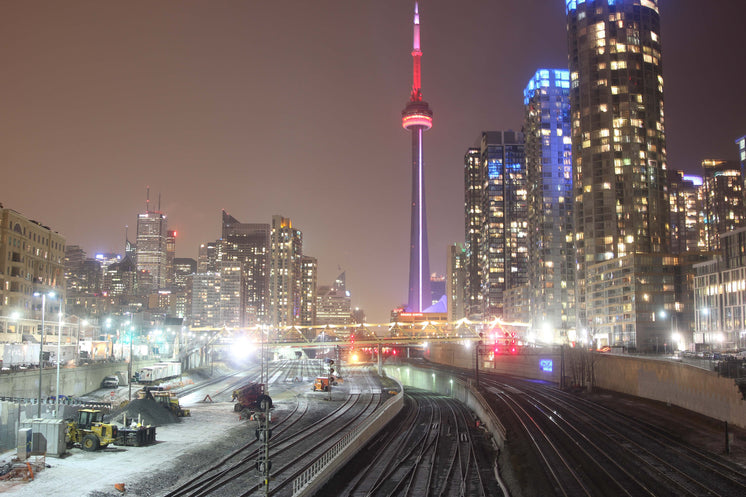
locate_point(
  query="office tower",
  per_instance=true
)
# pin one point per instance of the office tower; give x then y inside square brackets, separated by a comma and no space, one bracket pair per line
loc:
[686,222]
[309,269]
[249,245]
[286,249]
[170,256]
[231,305]
[120,278]
[31,260]
[334,305]
[151,247]
[418,118]
[456,282]
[551,253]
[741,143]
[206,300]
[618,152]
[723,192]
[207,259]
[184,268]
[502,254]
[474,179]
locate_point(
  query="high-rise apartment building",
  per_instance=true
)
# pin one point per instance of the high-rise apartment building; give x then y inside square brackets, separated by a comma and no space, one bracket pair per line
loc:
[456,282]
[618,150]
[334,305]
[248,244]
[503,250]
[551,253]
[151,256]
[474,179]
[723,192]
[286,250]
[687,226]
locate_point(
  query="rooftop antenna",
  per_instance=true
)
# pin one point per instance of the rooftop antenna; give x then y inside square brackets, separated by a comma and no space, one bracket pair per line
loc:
[159,202]
[147,198]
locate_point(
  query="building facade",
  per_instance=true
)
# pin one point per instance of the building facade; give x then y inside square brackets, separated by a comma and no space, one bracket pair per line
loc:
[551,253]
[31,261]
[720,296]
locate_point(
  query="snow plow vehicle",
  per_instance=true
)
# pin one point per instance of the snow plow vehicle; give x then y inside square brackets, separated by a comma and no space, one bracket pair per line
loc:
[251,396]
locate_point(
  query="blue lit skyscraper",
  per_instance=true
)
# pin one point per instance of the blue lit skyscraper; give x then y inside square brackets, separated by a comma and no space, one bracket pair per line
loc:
[551,274]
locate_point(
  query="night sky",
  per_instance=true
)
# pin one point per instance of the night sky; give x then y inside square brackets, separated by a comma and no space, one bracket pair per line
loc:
[294,108]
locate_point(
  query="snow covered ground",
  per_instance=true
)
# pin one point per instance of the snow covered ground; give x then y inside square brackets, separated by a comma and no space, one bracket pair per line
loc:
[94,474]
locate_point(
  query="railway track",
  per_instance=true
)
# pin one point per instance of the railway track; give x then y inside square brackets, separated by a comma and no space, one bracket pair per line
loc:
[586,449]
[427,450]
[297,439]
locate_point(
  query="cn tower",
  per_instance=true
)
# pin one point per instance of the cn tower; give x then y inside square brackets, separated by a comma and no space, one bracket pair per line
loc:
[417,118]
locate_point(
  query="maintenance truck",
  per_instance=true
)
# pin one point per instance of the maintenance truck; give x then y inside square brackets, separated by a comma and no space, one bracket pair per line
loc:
[322,384]
[251,396]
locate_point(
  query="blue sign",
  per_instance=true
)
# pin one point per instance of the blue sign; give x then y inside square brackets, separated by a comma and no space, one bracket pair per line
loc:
[545,365]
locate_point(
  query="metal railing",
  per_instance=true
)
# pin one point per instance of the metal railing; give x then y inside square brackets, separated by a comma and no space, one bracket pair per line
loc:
[360,435]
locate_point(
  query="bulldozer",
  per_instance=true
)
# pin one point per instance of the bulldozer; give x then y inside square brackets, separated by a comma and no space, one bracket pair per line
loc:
[251,396]
[166,399]
[89,431]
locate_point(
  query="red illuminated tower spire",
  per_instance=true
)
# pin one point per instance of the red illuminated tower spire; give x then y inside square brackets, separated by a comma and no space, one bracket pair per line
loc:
[417,118]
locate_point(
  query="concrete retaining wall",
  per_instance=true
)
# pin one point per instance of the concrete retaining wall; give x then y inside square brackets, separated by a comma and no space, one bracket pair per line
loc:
[74,381]
[679,384]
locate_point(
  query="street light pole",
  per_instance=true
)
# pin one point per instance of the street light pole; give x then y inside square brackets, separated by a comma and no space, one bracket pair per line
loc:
[129,367]
[59,348]
[41,350]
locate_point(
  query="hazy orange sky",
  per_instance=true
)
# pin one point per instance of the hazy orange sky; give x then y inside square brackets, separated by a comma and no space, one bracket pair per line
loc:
[293,108]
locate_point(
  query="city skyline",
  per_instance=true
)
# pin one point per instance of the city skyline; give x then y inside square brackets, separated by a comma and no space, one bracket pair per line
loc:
[215,108]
